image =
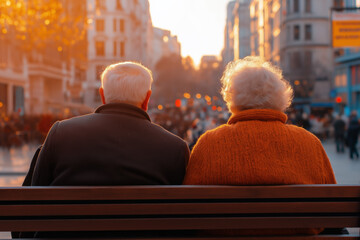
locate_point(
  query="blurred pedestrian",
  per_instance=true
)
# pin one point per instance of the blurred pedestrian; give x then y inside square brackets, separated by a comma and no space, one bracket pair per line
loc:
[339,131]
[353,134]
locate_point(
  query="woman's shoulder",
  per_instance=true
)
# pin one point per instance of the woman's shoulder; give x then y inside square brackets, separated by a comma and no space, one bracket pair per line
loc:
[302,133]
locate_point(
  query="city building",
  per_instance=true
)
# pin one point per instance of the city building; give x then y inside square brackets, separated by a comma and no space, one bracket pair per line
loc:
[228,51]
[241,29]
[295,35]
[164,44]
[119,30]
[42,79]
[347,73]
[306,51]
[13,77]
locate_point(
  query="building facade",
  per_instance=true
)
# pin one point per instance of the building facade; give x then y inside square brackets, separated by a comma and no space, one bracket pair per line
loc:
[119,30]
[42,80]
[346,79]
[306,51]
[164,44]
[241,29]
[228,51]
[14,82]
[295,35]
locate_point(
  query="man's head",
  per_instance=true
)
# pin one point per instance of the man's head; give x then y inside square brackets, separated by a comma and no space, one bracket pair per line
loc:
[126,82]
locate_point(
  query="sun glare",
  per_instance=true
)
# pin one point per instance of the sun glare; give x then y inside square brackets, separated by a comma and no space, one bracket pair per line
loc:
[199,24]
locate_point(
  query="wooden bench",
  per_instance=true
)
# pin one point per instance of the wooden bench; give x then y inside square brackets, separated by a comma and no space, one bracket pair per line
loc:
[188,208]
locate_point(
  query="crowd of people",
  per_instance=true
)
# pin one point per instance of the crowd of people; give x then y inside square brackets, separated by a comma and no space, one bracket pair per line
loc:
[188,122]
[17,130]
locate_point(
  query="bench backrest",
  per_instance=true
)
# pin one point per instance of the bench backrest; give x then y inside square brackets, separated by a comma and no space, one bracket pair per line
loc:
[178,207]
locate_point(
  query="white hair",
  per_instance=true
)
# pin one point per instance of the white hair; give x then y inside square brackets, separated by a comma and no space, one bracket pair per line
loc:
[252,83]
[126,82]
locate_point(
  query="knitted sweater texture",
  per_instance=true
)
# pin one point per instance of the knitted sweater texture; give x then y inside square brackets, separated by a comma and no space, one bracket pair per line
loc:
[256,147]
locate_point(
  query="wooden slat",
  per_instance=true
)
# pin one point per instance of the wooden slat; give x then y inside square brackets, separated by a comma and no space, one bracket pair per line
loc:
[178,208]
[179,192]
[327,237]
[177,223]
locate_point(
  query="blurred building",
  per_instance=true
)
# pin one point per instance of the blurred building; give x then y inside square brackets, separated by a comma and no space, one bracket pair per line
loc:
[295,35]
[44,79]
[241,29]
[164,44]
[228,51]
[266,17]
[306,51]
[210,70]
[119,30]
[13,76]
[347,74]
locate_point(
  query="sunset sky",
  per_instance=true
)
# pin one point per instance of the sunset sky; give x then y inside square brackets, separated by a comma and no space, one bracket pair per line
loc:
[199,24]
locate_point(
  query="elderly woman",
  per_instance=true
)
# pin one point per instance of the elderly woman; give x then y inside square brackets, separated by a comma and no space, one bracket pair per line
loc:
[256,147]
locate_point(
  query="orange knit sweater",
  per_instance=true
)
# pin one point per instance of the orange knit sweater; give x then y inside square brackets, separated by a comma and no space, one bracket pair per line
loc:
[256,147]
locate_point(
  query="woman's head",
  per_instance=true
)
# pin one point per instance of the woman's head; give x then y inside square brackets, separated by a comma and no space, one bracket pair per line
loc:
[252,83]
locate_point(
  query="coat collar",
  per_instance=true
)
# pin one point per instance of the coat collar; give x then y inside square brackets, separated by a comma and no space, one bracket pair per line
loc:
[123,108]
[258,114]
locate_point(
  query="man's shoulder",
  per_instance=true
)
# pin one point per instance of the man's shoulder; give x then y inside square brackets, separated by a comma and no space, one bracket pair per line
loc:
[165,133]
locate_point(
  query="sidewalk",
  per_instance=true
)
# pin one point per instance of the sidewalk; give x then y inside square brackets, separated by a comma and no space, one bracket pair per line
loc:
[347,171]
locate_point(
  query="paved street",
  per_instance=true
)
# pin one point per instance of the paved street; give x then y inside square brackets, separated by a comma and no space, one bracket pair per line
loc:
[14,164]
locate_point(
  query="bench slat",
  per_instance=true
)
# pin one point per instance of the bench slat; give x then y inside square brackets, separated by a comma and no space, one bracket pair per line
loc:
[178,208]
[179,192]
[177,223]
[327,237]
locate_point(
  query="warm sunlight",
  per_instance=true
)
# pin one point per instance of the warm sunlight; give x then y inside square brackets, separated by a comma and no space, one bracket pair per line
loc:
[198,24]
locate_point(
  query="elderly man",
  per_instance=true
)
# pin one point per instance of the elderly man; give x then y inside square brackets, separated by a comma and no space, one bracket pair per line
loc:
[116,145]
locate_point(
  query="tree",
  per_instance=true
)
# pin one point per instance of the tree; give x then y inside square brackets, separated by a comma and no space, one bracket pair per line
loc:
[38,24]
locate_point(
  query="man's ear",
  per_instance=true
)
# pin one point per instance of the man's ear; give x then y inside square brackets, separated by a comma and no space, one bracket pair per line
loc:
[101,91]
[145,104]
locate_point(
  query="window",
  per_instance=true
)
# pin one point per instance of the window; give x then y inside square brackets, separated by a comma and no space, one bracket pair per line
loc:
[339,3]
[115,48]
[296,6]
[122,49]
[114,25]
[308,58]
[308,6]
[100,48]
[122,25]
[100,4]
[119,5]
[99,70]
[296,61]
[100,25]
[308,32]
[296,32]
[355,74]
